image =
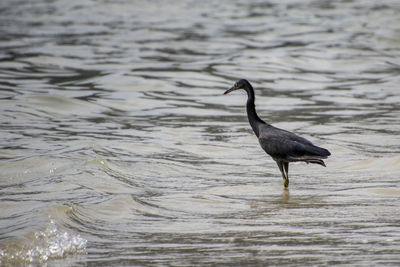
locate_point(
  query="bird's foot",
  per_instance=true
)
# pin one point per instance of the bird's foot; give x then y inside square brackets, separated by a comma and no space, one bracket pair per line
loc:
[286,183]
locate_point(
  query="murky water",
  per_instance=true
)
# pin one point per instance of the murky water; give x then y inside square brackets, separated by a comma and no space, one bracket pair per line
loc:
[118,148]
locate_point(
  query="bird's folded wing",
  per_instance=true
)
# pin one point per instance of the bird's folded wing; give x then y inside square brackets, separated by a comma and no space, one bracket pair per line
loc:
[284,148]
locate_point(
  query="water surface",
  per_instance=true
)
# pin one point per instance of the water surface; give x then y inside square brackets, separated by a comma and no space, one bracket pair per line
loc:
[118,148]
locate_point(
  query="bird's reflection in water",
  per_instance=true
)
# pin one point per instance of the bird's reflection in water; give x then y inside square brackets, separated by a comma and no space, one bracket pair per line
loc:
[285,197]
[277,202]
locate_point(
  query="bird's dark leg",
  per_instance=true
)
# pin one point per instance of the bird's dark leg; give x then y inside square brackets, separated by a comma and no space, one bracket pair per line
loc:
[284,176]
[286,181]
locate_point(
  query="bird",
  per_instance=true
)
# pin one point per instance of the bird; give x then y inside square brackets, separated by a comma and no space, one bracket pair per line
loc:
[283,146]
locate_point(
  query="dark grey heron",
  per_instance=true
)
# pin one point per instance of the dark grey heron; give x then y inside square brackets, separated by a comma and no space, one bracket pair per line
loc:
[283,146]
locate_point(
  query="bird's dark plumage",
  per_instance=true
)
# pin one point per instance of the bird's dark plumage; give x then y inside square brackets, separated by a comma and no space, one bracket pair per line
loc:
[283,146]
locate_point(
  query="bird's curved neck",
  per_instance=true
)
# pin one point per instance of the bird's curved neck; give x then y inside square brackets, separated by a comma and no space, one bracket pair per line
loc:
[254,120]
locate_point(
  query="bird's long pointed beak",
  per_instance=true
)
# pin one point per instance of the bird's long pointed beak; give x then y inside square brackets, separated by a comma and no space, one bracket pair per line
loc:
[233,88]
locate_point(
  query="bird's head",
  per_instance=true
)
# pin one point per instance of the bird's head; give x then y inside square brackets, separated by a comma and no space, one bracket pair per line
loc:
[240,84]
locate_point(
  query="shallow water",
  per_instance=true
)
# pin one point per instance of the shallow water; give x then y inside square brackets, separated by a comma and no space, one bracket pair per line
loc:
[118,148]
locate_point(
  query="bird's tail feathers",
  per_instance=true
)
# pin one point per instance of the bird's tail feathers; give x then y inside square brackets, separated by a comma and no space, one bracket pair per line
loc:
[316,161]
[309,159]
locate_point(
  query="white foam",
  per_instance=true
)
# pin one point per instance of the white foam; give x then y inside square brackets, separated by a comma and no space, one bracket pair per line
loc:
[51,243]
